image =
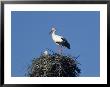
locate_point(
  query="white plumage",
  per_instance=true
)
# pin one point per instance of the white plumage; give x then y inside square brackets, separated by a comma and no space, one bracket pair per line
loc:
[59,40]
[45,52]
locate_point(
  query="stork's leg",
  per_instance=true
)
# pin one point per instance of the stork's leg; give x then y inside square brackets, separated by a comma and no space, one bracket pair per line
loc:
[60,49]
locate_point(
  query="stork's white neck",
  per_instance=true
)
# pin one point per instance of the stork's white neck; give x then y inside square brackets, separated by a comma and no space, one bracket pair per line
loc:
[53,33]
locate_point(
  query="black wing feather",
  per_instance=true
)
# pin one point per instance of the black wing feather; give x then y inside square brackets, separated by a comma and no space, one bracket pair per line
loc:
[64,43]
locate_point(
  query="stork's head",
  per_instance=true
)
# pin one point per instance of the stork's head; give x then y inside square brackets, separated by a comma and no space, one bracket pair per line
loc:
[52,30]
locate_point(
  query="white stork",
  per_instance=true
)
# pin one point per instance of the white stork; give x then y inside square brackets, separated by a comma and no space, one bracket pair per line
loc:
[59,40]
[45,52]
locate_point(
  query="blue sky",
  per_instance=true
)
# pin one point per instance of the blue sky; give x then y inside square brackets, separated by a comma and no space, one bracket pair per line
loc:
[30,37]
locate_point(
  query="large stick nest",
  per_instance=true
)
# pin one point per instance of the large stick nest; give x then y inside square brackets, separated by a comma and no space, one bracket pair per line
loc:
[54,65]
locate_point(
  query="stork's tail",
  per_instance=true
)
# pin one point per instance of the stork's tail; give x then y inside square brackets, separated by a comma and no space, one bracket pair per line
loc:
[67,45]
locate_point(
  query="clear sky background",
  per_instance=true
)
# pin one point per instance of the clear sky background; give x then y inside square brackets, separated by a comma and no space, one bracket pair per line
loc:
[30,37]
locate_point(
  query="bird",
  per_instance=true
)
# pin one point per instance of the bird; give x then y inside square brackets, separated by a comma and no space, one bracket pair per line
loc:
[45,52]
[59,40]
